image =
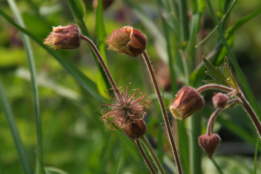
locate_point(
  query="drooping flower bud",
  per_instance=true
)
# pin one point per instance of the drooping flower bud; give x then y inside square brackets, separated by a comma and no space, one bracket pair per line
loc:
[219,100]
[127,40]
[105,4]
[64,37]
[187,102]
[209,143]
[135,129]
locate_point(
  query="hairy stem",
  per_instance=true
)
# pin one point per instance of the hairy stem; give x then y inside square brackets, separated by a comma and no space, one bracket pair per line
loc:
[214,86]
[251,113]
[215,114]
[164,113]
[106,70]
[145,157]
[154,157]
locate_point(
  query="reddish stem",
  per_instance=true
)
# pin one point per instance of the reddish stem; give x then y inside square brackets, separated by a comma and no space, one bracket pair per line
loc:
[214,86]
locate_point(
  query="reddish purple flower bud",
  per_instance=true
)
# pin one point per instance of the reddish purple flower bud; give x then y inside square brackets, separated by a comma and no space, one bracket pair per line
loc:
[105,4]
[127,40]
[219,100]
[209,143]
[135,129]
[64,37]
[187,102]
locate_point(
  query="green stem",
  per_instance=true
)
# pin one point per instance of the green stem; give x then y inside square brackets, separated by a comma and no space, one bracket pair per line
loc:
[239,72]
[154,157]
[144,156]
[184,19]
[164,112]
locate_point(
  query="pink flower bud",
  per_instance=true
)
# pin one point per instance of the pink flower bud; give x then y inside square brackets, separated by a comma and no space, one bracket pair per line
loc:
[135,129]
[187,102]
[64,37]
[127,40]
[209,143]
[219,100]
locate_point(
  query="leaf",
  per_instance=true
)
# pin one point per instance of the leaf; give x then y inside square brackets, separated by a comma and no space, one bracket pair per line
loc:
[22,154]
[256,152]
[229,76]
[30,59]
[87,84]
[101,35]
[215,73]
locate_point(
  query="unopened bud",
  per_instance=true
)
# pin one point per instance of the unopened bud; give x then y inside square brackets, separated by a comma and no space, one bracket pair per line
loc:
[219,100]
[127,40]
[209,143]
[64,37]
[105,4]
[135,129]
[187,102]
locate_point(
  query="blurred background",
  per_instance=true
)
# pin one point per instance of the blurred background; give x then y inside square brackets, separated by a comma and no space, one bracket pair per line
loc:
[75,139]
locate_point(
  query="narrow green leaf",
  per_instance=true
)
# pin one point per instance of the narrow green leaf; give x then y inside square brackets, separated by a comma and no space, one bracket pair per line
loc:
[119,161]
[256,152]
[30,59]
[88,84]
[101,35]
[230,79]
[239,72]
[216,165]
[22,154]
[55,170]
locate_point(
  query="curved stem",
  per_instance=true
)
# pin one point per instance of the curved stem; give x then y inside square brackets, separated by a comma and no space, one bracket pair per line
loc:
[164,113]
[214,86]
[251,113]
[145,157]
[154,157]
[106,70]
[215,114]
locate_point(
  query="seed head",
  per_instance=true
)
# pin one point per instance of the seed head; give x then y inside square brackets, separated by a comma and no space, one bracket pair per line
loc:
[64,37]
[187,102]
[127,40]
[128,113]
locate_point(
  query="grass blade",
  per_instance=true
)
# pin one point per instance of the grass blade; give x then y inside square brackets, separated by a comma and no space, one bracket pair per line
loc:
[30,59]
[101,35]
[256,152]
[239,72]
[217,166]
[87,84]
[23,157]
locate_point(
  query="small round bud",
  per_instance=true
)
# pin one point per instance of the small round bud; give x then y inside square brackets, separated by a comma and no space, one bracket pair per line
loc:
[127,40]
[209,143]
[135,129]
[187,102]
[219,100]
[64,37]
[105,4]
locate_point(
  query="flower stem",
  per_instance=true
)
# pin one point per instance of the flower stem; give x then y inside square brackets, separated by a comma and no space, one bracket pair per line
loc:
[106,70]
[164,113]
[154,157]
[214,86]
[145,157]
[215,114]
[251,113]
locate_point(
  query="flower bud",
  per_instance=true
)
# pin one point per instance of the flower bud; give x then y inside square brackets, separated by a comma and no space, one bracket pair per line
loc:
[64,37]
[127,40]
[209,143]
[187,102]
[219,100]
[135,129]
[105,4]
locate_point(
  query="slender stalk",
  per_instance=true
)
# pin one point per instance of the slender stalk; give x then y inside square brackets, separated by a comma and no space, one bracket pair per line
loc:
[164,113]
[214,86]
[145,157]
[106,70]
[215,114]
[251,113]
[154,157]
